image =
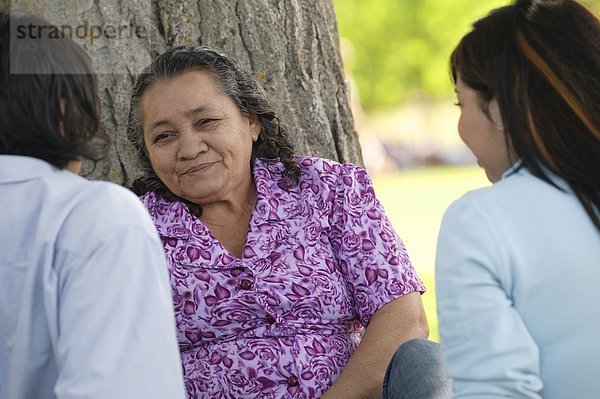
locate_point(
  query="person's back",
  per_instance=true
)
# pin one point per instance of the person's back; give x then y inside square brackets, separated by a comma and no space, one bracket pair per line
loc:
[539,246]
[79,261]
[85,302]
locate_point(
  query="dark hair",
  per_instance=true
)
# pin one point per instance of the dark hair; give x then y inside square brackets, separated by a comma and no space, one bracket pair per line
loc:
[541,60]
[45,73]
[246,92]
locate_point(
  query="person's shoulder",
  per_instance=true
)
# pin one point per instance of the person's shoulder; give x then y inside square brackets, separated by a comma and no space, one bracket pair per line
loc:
[316,164]
[467,207]
[89,213]
[152,199]
[325,165]
[518,189]
[101,191]
[75,190]
[505,202]
[478,201]
[108,203]
[331,172]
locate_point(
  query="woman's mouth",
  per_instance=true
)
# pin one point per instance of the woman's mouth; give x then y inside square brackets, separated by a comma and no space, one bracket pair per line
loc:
[200,168]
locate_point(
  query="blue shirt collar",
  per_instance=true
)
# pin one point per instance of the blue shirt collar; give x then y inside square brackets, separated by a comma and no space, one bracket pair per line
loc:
[516,167]
[519,166]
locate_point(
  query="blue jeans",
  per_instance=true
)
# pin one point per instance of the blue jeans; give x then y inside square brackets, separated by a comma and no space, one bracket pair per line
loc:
[416,371]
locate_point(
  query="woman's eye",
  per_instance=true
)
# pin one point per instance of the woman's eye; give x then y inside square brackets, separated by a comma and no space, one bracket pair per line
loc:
[205,122]
[161,137]
[458,104]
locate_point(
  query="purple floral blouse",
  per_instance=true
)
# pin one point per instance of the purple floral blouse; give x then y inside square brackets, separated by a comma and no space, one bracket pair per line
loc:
[282,321]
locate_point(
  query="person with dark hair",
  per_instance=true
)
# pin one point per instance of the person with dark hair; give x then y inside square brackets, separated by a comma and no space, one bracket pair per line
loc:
[528,83]
[85,300]
[277,262]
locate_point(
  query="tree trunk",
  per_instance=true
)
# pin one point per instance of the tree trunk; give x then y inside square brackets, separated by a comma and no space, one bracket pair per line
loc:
[291,47]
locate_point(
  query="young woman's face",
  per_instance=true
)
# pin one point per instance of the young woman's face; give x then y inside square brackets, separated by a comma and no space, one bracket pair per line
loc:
[198,141]
[482,134]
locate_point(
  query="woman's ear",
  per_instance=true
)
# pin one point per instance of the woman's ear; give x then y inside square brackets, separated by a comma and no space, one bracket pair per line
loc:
[494,111]
[255,126]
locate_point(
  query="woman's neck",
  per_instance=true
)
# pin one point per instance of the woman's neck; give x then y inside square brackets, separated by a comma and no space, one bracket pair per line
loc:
[228,220]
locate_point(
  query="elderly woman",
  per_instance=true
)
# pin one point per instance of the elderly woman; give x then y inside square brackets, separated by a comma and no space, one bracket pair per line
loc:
[277,262]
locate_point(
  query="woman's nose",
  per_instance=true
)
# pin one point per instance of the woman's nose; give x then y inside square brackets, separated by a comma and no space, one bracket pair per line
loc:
[191,145]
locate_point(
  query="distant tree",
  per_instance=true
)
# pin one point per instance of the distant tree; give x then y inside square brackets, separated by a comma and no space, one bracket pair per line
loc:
[402,46]
[291,46]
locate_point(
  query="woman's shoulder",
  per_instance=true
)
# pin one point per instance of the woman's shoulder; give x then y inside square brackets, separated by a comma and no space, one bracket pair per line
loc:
[152,199]
[311,168]
[485,202]
[325,165]
[171,218]
[520,189]
[161,208]
[515,203]
[329,172]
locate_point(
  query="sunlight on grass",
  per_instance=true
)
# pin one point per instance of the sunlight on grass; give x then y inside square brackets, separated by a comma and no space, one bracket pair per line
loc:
[415,201]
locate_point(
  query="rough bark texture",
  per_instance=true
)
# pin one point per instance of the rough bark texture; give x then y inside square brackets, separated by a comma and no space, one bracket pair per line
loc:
[291,46]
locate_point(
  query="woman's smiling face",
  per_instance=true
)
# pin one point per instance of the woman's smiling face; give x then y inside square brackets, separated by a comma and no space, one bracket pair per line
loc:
[198,141]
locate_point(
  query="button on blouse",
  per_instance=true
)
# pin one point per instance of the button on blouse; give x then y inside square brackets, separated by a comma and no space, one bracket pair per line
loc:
[246,285]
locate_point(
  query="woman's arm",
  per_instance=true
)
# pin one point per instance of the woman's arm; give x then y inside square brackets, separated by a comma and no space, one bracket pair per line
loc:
[395,323]
[382,284]
[488,349]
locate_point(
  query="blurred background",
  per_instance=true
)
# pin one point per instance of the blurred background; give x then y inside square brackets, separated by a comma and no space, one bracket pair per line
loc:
[396,59]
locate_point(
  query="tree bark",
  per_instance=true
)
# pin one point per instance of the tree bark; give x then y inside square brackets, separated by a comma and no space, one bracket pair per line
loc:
[291,47]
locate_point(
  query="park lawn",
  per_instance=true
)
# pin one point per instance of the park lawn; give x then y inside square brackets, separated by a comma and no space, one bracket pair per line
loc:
[415,201]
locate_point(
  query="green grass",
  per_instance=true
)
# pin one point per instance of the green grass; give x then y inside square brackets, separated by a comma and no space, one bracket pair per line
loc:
[415,201]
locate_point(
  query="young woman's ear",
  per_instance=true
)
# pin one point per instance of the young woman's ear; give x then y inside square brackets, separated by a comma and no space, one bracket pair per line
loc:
[494,111]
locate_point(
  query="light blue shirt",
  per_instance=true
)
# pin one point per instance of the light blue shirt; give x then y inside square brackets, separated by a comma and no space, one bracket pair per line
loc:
[518,288]
[85,301]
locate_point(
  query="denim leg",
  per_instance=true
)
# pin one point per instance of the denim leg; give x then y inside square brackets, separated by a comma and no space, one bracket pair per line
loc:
[416,371]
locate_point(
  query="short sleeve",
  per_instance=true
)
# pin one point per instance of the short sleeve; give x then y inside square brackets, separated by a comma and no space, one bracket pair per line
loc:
[487,348]
[370,255]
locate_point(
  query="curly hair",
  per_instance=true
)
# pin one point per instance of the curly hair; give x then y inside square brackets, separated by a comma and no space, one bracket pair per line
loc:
[246,92]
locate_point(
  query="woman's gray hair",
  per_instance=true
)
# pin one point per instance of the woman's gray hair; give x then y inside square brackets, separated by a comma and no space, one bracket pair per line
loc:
[246,92]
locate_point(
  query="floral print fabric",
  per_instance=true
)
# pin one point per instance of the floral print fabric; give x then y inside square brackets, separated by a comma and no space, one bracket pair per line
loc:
[282,321]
